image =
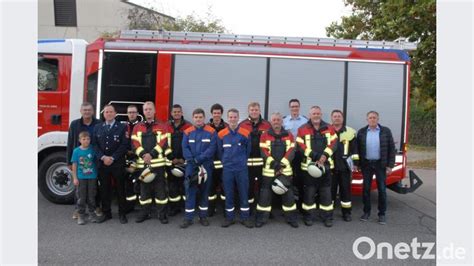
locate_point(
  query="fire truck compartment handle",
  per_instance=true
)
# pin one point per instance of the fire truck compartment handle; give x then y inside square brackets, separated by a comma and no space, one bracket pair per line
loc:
[56,119]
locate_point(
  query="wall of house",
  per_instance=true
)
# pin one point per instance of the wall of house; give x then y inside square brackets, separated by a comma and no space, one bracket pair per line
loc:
[93,19]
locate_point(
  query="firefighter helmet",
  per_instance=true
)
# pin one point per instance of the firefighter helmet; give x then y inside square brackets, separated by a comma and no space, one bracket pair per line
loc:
[316,170]
[178,170]
[147,175]
[280,185]
[202,175]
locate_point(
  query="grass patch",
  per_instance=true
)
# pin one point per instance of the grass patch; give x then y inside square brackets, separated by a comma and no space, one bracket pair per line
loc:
[423,164]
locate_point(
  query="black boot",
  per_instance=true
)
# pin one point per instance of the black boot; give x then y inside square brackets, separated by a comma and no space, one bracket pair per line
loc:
[144,214]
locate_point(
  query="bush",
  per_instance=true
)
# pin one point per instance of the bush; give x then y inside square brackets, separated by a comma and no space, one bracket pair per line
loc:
[422,130]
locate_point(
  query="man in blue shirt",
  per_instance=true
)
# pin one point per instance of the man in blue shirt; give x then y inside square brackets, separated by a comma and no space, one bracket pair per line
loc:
[294,120]
[377,156]
[291,123]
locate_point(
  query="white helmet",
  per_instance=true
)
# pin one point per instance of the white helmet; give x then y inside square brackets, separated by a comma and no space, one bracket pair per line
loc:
[147,175]
[278,186]
[178,171]
[202,175]
[316,170]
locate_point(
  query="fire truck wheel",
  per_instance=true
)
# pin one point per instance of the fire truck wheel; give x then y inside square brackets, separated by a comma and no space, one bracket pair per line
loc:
[55,179]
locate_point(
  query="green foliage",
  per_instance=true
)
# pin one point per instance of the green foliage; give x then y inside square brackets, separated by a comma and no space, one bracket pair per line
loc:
[422,129]
[389,20]
[147,19]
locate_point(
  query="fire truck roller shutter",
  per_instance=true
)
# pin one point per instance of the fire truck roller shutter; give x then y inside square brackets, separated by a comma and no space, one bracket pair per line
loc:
[200,81]
[378,87]
[312,82]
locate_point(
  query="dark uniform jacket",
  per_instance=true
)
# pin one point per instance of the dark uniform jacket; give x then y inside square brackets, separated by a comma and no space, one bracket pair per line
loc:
[111,142]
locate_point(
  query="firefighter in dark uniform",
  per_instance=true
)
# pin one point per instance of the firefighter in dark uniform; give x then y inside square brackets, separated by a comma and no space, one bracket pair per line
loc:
[177,125]
[345,157]
[132,186]
[110,145]
[278,148]
[257,126]
[150,143]
[218,124]
[317,140]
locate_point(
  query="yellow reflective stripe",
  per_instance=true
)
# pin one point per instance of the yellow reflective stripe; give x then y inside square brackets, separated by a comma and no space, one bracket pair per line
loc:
[184,197]
[160,164]
[269,145]
[307,151]
[137,137]
[289,144]
[299,140]
[287,171]
[346,146]
[217,165]
[263,145]
[331,163]
[264,209]
[222,197]
[355,157]
[175,199]
[285,162]
[328,151]
[158,201]
[168,136]
[251,200]
[168,163]
[168,151]
[156,160]
[346,204]
[308,207]
[255,164]
[268,161]
[159,150]
[145,202]
[326,208]
[268,172]
[213,197]
[287,209]
[258,159]
[131,198]
[139,150]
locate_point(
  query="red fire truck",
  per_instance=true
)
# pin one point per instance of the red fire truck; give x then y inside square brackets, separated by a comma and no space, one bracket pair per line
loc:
[200,69]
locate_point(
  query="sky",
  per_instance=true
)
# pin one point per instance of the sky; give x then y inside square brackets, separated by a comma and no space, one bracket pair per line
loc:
[297,18]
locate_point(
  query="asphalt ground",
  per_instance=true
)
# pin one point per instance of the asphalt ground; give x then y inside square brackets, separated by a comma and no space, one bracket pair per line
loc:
[62,241]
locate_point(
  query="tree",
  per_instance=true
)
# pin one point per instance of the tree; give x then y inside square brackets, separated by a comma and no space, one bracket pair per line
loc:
[149,19]
[389,20]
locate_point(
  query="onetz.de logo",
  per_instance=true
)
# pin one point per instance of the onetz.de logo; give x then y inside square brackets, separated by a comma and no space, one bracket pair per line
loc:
[402,250]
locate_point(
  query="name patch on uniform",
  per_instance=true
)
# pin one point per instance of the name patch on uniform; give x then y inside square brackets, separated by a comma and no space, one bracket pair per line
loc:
[206,140]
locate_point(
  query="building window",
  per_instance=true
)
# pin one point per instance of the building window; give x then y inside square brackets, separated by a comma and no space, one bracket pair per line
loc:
[65,13]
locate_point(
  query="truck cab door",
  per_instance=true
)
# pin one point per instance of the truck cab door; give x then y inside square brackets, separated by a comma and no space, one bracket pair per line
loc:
[54,76]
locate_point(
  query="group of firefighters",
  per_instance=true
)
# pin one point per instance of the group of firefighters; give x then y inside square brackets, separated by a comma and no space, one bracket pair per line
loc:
[186,166]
